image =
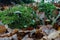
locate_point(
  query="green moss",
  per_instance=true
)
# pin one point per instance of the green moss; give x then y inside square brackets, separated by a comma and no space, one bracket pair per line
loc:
[18,20]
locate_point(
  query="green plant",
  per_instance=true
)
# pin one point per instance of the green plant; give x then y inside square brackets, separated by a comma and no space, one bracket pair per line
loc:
[18,17]
[48,8]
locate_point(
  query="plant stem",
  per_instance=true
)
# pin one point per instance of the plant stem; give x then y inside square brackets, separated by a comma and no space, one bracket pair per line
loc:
[55,19]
